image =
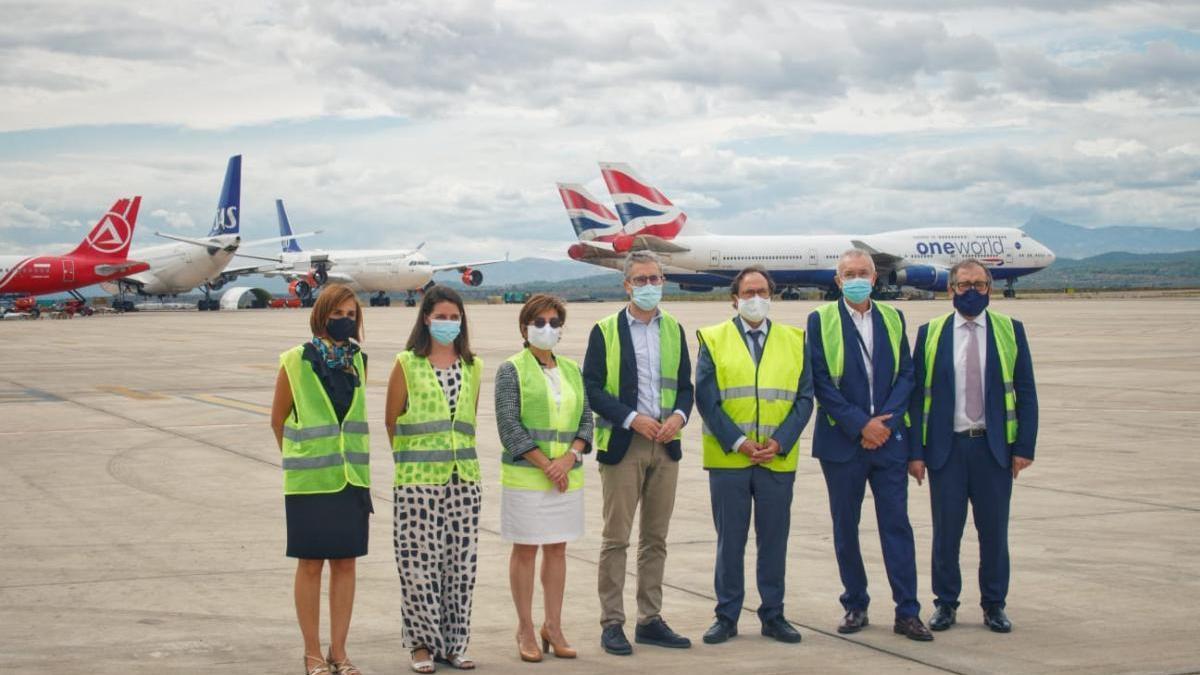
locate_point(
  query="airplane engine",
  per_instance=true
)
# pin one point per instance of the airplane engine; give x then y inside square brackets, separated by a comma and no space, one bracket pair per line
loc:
[577,251]
[300,288]
[623,243]
[317,276]
[924,277]
[472,277]
[25,304]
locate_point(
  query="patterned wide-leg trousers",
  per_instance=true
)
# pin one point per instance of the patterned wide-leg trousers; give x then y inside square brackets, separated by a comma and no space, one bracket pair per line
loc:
[436,535]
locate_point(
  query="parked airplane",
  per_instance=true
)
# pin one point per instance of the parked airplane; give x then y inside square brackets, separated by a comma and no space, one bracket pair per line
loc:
[181,267]
[366,271]
[101,256]
[920,258]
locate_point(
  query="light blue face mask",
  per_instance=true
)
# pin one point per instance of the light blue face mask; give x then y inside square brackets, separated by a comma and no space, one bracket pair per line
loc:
[856,290]
[647,297]
[445,330]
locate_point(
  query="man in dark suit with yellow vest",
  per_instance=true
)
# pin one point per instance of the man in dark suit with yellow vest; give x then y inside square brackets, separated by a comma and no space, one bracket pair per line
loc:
[754,392]
[638,377]
[863,376]
[975,417]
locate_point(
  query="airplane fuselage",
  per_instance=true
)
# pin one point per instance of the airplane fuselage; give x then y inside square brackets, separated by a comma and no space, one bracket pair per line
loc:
[370,271]
[811,260]
[179,268]
[38,275]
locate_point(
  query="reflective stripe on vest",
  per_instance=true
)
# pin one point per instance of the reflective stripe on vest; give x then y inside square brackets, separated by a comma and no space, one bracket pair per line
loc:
[669,355]
[553,427]
[1005,338]
[320,455]
[757,397]
[428,445]
[835,349]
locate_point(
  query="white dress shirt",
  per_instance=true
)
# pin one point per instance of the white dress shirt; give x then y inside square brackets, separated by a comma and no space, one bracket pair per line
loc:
[647,354]
[764,328]
[865,323]
[961,335]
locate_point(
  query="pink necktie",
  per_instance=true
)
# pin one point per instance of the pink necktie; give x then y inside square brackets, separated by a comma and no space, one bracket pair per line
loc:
[974,381]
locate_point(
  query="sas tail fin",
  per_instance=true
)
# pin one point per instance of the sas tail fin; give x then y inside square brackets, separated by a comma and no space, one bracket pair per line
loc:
[285,229]
[111,236]
[229,208]
[643,209]
[592,220]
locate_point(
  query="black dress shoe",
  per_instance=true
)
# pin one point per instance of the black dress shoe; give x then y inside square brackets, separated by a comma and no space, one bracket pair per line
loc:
[657,632]
[613,640]
[943,617]
[912,628]
[854,621]
[721,630]
[779,629]
[997,620]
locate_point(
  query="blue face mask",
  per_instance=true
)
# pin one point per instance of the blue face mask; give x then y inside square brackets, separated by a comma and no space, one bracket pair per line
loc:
[856,290]
[971,303]
[647,297]
[445,330]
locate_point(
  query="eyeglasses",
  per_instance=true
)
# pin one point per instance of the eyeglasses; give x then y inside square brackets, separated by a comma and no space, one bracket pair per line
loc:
[964,286]
[652,279]
[541,322]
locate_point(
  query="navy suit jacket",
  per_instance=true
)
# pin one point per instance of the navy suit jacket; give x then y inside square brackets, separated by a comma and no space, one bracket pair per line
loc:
[616,409]
[708,400]
[936,449]
[849,402]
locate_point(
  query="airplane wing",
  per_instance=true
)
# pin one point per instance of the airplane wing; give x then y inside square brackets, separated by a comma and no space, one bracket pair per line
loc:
[461,267]
[126,267]
[276,240]
[292,274]
[590,250]
[196,242]
[884,262]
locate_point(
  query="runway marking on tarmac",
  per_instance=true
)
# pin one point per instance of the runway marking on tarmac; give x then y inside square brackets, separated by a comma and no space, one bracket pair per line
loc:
[135,394]
[235,404]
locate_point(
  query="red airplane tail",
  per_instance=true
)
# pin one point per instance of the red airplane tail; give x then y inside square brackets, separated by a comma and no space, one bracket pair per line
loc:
[113,234]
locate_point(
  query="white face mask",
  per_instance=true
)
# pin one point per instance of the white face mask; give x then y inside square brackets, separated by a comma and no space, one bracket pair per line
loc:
[755,309]
[545,337]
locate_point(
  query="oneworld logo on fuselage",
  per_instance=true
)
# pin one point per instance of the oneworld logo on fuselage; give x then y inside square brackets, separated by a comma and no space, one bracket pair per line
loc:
[978,248]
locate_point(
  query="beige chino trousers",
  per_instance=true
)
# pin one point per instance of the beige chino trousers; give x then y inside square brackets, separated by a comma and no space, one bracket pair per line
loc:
[646,475]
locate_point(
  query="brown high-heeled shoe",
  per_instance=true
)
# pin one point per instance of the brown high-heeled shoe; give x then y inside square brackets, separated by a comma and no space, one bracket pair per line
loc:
[561,650]
[532,656]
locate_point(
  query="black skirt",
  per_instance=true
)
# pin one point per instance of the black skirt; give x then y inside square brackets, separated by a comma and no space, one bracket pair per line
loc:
[334,525]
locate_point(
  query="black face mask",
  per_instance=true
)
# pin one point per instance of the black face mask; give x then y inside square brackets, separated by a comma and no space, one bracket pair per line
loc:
[342,329]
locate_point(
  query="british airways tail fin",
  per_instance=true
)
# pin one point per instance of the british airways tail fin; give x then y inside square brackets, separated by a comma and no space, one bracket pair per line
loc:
[229,208]
[111,236]
[643,209]
[592,220]
[285,229]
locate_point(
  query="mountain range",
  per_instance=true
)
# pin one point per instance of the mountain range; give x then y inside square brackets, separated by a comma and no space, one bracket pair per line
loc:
[1073,241]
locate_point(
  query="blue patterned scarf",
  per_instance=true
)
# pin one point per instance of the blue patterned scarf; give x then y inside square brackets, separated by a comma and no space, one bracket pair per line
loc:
[337,357]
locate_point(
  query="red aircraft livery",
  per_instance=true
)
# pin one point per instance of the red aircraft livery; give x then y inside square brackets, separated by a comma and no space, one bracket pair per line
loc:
[101,256]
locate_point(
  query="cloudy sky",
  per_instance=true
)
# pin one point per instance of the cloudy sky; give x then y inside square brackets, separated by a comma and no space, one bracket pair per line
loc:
[391,123]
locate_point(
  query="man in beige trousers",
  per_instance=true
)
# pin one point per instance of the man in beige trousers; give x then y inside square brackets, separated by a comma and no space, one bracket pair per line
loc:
[638,378]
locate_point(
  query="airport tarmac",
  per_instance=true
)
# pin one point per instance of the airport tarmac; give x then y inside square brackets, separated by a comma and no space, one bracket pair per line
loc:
[142,527]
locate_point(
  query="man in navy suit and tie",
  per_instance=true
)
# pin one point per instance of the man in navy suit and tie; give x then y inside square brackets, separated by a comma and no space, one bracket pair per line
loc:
[862,377]
[975,416]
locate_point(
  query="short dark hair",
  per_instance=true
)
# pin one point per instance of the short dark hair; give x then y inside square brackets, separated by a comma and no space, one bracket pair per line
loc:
[537,304]
[420,342]
[969,262]
[735,288]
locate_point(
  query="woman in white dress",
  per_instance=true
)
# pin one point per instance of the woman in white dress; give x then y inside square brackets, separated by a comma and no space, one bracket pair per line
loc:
[545,427]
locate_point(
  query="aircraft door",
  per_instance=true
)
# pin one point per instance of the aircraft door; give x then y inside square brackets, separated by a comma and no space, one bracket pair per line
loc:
[715,258]
[812,258]
[68,267]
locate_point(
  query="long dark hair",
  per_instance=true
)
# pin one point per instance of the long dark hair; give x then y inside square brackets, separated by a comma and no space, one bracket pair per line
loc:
[420,342]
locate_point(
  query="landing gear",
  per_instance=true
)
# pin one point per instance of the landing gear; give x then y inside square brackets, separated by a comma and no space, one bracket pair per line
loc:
[1010,290]
[789,294]
[885,292]
[207,302]
[380,299]
[410,299]
[833,293]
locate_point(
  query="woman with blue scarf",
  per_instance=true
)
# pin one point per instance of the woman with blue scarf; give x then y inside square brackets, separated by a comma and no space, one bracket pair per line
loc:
[432,399]
[319,417]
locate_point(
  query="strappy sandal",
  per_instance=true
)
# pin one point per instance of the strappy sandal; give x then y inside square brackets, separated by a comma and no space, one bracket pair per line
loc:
[423,666]
[457,661]
[321,669]
[343,667]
